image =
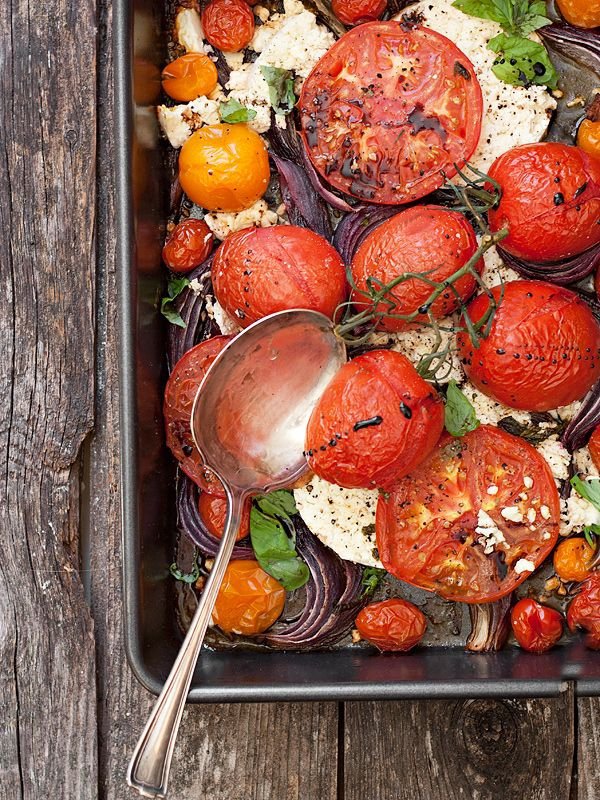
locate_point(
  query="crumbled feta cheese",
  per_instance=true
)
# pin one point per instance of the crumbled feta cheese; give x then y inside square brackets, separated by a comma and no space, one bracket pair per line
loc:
[577,513]
[179,122]
[557,456]
[189,32]
[524,565]
[513,115]
[528,482]
[545,512]
[343,519]
[566,413]
[495,270]
[493,489]
[512,514]
[490,412]
[234,60]
[531,515]
[262,13]
[258,215]
[217,313]
[584,464]
[490,535]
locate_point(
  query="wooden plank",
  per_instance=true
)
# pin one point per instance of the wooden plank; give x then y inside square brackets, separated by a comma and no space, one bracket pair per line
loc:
[475,749]
[588,748]
[47,185]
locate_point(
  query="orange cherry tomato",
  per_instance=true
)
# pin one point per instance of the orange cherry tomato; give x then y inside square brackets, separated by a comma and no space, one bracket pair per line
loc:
[228,24]
[588,137]
[213,512]
[572,559]
[537,628]
[188,245]
[249,600]
[594,447]
[583,13]
[224,167]
[354,12]
[584,611]
[189,77]
[395,624]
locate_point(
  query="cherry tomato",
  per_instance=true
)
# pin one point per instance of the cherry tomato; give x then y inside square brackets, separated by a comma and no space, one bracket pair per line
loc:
[386,112]
[224,167]
[354,12]
[394,624]
[249,600]
[213,512]
[550,201]
[594,447]
[375,422]
[588,133]
[188,245]
[258,271]
[583,13]
[584,611]
[189,77]
[421,239]
[537,628]
[572,559]
[542,350]
[228,24]
[180,392]
[431,528]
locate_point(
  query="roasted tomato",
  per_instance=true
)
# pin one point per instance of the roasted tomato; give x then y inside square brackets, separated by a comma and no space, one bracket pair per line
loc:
[550,201]
[213,512]
[588,133]
[375,422]
[594,447]
[423,239]
[542,350]
[468,524]
[180,392]
[224,167]
[572,559]
[355,12]
[583,13]
[189,77]
[584,610]
[249,600]
[228,24]
[537,628]
[392,624]
[188,245]
[258,271]
[388,111]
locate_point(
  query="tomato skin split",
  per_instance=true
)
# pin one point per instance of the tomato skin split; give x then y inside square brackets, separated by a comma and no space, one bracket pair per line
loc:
[537,628]
[392,625]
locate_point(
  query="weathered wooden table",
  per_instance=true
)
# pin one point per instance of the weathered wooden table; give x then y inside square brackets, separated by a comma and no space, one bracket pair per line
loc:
[70,710]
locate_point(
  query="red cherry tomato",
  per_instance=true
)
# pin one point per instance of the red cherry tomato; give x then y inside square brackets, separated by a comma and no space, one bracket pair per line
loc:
[542,350]
[249,600]
[188,245]
[258,271]
[387,112]
[354,12]
[594,447]
[584,611]
[228,24]
[180,392]
[213,512]
[430,529]
[550,201]
[395,625]
[537,628]
[375,422]
[421,239]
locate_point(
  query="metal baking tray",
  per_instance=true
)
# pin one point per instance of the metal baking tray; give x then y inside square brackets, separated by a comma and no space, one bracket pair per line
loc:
[152,633]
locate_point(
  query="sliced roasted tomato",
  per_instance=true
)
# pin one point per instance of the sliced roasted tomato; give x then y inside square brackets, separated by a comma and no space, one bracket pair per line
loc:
[180,392]
[389,110]
[474,520]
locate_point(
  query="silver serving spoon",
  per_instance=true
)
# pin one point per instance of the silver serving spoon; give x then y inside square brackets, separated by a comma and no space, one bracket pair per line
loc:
[248,421]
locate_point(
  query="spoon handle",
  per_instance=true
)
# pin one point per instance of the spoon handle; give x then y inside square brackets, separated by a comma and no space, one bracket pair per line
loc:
[148,770]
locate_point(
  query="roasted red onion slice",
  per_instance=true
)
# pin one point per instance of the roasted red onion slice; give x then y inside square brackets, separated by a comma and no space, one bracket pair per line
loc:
[563,273]
[302,206]
[353,229]
[489,626]
[579,429]
[198,325]
[581,44]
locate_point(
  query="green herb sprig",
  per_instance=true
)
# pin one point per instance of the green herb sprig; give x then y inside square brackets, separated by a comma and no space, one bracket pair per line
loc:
[371,578]
[186,577]
[167,305]
[233,111]
[460,416]
[281,88]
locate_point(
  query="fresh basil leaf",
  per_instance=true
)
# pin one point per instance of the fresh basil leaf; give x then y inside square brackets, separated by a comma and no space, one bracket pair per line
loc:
[371,578]
[589,490]
[459,415]
[517,17]
[291,573]
[522,62]
[590,532]
[483,9]
[279,504]
[273,543]
[167,308]
[281,88]
[233,111]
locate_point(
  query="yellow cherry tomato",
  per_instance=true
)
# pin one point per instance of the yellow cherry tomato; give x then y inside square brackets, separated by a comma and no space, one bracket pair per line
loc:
[572,559]
[189,77]
[224,167]
[583,13]
[249,600]
[588,137]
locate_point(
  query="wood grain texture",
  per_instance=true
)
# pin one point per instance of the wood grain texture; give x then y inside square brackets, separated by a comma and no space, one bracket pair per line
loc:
[475,749]
[47,192]
[588,749]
